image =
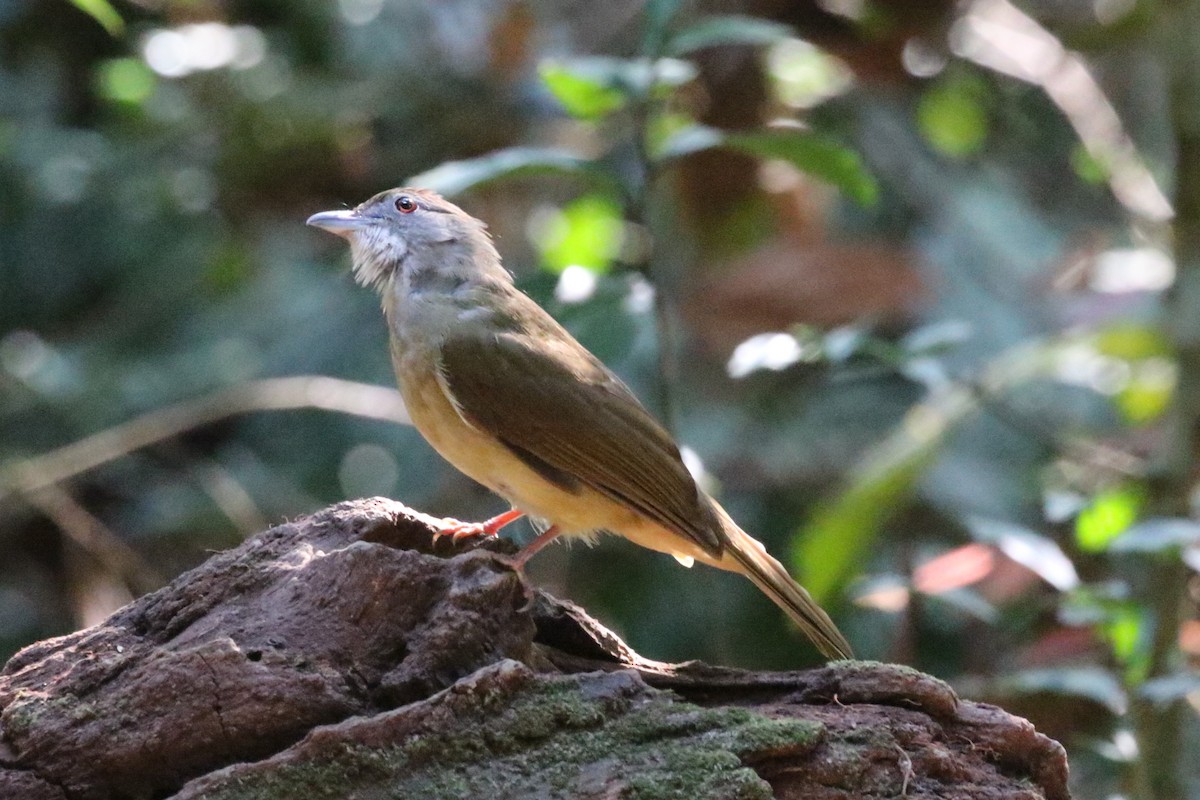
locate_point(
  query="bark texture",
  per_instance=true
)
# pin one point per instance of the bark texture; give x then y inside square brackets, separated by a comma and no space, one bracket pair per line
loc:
[349,655]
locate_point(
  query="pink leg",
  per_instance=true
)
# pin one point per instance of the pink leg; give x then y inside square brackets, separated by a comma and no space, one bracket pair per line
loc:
[466,530]
[528,551]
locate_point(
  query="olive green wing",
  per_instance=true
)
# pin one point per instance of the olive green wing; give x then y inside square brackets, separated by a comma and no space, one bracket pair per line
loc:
[561,411]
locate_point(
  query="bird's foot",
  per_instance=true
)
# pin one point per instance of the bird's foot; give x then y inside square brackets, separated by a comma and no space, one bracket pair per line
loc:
[527,552]
[458,530]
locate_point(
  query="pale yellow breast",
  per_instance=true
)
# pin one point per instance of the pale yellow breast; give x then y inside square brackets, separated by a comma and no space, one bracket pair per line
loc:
[482,458]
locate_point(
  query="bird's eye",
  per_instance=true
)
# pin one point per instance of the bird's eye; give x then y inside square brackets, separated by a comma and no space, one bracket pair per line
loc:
[405,204]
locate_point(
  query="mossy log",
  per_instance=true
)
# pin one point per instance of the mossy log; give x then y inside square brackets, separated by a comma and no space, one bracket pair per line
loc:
[349,655]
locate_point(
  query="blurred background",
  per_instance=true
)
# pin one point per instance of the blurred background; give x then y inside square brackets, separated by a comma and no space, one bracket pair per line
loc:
[917,285]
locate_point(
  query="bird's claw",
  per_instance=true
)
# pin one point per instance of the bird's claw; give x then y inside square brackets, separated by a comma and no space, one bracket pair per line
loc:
[458,530]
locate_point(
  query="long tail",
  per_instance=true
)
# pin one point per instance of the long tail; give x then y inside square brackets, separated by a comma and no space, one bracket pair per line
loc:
[775,582]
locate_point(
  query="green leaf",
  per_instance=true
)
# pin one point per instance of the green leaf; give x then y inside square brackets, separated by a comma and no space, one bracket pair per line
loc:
[103,12]
[1132,341]
[592,87]
[1088,167]
[840,344]
[803,76]
[1035,552]
[1126,633]
[587,88]
[936,338]
[1152,372]
[126,80]
[1148,395]
[1109,514]
[1170,688]
[687,140]
[968,602]
[813,154]
[816,155]
[456,177]
[1092,604]
[835,542]
[1157,535]
[587,232]
[727,30]
[952,118]
[662,74]
[1116,618]
[663,127]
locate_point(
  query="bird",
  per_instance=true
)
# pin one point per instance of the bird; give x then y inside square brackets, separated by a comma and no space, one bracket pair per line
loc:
[505,394]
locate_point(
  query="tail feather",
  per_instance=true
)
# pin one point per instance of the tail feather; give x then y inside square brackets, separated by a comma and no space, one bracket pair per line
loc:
[774,581]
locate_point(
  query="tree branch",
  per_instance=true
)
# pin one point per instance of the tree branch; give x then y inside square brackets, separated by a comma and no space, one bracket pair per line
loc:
[353,655]
[271,394]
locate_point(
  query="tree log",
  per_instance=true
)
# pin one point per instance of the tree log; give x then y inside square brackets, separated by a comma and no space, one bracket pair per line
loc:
[349,654]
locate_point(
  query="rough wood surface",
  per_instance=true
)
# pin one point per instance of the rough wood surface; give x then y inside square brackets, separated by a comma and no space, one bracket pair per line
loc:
[348,655]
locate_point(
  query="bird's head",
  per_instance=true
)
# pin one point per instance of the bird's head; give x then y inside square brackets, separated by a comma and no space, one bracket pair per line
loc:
[406,233]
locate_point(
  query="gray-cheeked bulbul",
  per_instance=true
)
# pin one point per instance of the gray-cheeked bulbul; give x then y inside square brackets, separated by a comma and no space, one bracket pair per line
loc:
[511,399]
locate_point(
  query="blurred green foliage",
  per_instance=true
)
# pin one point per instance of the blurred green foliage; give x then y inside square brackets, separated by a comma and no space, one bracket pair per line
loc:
[952,385]
[952,115]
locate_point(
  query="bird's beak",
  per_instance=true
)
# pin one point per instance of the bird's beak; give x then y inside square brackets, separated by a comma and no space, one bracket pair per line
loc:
[341,223]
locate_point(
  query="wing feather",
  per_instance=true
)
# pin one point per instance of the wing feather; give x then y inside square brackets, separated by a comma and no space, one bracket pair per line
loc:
[557,403]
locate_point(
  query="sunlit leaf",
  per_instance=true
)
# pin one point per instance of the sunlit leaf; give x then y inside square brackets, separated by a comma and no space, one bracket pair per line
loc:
[1152,371]
[727,30]
[937,337]
[663,128]
[1089,168]
[1108,609]
[1090,605]
[587,232]
[1157,535]
[843,343]
[951,116]
[687,140]
[1144,401]
[1131,341]
[969,602]
[126,80]
[811,153]
[803,75]
[103,12]
[1169,688]
[831,548]
[586,88]
[592,87]
[1191,557]
[927,371]
[887,592]
[1092,683]
[1125,632]
[663,73]
[1037,553]
[836,543]
[455,177]
[1109,514]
